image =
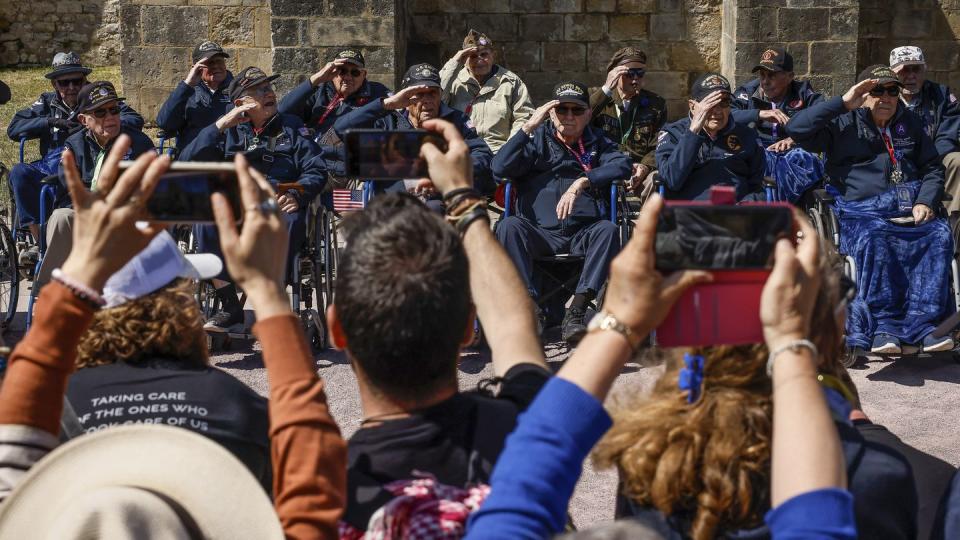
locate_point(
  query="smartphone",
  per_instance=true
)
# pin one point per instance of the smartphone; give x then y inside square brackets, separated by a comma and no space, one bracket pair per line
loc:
[377,154]
[736,244]
[183,193]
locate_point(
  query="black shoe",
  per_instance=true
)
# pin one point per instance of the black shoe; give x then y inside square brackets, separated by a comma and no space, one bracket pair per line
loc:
[225,321]
[573,327]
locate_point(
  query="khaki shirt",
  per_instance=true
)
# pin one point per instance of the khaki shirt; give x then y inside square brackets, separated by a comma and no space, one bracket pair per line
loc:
[635,131]
[499,107]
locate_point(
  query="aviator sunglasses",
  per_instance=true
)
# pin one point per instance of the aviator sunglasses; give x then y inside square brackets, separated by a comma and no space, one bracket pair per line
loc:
[63,83]
[100,113]
[575,111]
[889,90]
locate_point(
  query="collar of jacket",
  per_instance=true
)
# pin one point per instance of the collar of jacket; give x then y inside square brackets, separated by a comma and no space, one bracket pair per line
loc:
[272,127]
[220,89]
[497,77]
[793,93]
[57,103]
[362,92]
[87,136]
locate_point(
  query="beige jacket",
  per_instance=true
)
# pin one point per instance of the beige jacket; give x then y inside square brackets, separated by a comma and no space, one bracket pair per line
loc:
[498,109]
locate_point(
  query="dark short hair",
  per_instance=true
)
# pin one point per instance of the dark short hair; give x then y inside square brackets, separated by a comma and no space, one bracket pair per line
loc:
[402,296]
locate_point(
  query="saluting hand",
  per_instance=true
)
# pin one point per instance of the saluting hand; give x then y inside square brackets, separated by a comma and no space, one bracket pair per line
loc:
[193,78]
[403,98]
[703,108]
[539,116]
[235,116]
[857,94]
[327,72]
[614,76]
[463,54]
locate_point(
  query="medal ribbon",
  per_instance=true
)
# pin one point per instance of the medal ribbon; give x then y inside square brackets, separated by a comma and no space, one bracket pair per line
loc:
[582,157]
[330,108]
[889,146]
[774,126]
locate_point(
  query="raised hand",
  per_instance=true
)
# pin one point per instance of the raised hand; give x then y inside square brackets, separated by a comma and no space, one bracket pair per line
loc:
[539,116]
[327,72]
[193,78]
[235,116]
[463,54]
[703,108]
[614,76]
[857,94]
[403,98]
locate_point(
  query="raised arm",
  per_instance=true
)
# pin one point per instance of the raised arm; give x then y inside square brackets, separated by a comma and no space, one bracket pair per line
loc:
[30,123]
[172,115]
[813,128]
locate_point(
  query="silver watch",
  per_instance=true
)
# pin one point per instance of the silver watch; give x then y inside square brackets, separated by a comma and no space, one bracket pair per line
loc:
[605,320]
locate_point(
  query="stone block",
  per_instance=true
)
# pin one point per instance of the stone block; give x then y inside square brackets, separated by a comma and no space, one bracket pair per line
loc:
[667,6]
[564,56]
[528,6]
[667,27]
[706,28]
[232,26]
[130,25]
[805,24]
[430,28]
[628,27]
[328,31]
[676,109]
[383,7]
[287,31]
[747,23]
[585,27]
[916,23]
[601,6]
[832,57]
[297,8]
[668,83]
[499,26]
[380,60]
[686,56]
[522,56]
[541,27]
[165,25]
[493,6]
[844,24]
[768,25]
[941,55]
[800,51]
[874,23]
[263,33]
[344,8]
[150,99]
[418,7]
[154,66]
[256,56]
[295,60]
[637,6]
[458,6]
[566,6]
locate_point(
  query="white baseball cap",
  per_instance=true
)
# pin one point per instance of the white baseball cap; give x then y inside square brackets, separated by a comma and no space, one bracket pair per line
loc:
[906,56]
[155,267]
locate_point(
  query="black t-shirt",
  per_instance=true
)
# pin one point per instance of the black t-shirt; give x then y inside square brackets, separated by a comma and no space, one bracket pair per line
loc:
[458,441]
[205,400]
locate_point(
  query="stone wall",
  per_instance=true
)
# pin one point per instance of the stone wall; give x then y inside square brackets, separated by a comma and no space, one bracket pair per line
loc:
[32,32]
[159,37]
[549,40]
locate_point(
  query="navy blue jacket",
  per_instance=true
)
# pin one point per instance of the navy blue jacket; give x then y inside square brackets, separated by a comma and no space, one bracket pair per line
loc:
[542,169]
[192,108]
[931,106]
[310,104]
[691,163]
[374,116]
[31,123]
[748,102]
[86,150]
[281,152]
[857,159]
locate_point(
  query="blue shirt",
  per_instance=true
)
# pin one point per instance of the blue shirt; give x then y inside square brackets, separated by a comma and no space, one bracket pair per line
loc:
[192,108]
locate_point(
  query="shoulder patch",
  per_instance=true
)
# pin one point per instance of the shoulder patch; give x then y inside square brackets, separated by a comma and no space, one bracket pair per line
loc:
[661,136]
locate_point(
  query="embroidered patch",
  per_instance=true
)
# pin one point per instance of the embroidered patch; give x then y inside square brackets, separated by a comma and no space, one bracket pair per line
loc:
[768,55]
[901,130]
[733,143]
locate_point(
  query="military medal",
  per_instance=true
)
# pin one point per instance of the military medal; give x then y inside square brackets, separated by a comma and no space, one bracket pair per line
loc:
[896,176]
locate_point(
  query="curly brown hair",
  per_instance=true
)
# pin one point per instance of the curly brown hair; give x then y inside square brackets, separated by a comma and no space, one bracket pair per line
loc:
[164,324]
[708,462]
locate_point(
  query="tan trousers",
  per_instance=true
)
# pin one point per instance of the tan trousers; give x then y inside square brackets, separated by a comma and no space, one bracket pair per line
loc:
[59,243]
[951,162]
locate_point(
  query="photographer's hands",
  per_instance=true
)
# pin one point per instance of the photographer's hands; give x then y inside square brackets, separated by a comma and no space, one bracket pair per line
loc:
[790,292]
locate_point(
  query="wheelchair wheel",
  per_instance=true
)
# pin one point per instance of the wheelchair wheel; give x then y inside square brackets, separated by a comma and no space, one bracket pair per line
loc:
[207,298]
[325,273]
[9,276]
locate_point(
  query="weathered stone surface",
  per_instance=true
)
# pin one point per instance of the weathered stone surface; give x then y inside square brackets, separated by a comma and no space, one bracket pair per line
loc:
[500,26]
[566,6]
[541,27]
[564,56]
[328,31]
[601,6]
[297,8]
[295,59]
[585,27]
[667,27]
[637,6]
[344,8]
[287,31]
[628,27]
[522,56]
[165,25]
[232,26]
[827,57]
[528,6]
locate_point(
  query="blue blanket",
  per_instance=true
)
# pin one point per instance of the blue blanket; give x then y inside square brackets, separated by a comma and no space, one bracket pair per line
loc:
[903,271]
[795,171]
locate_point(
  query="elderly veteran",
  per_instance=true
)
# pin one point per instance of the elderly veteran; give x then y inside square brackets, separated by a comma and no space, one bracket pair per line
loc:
[51,119]
[884,171]
[98,110]
[338,88]
[273,145]
[561,168]
[709,148]
[631,115]
[200,99]
[418,101]
[494,98]
[767,103]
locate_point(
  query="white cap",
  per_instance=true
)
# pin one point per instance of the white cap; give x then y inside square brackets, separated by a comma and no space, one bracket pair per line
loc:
[906,56]
[155,267]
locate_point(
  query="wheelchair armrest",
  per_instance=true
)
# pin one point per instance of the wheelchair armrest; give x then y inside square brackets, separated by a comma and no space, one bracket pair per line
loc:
[52,180]
[821,195]
[287,186]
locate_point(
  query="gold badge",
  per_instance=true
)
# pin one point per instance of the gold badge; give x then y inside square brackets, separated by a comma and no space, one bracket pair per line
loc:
[733,143]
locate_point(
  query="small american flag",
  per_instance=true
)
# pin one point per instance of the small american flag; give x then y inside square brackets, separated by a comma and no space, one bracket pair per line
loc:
[347,200]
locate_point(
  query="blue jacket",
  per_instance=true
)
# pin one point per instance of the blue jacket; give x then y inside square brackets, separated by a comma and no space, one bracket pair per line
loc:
[748,102]
[192,108]
[542,169]
[857,161]
[691,163]
[282,152]
[374,116]
[31,123]
[86,150]
[310,104]
[931,106]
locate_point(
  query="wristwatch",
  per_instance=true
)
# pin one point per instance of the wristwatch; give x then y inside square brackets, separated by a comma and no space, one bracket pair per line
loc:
[605,320]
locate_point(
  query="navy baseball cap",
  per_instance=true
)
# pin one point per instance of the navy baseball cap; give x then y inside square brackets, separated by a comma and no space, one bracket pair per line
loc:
[95,94]
[421,75]
[707,84]
[572,92]
[248,78]
[774,59]
[208,49]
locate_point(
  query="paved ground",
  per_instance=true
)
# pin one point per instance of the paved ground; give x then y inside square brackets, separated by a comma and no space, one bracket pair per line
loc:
[916,399]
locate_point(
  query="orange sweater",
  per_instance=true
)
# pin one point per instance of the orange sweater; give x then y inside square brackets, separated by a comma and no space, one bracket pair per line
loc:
[309,456]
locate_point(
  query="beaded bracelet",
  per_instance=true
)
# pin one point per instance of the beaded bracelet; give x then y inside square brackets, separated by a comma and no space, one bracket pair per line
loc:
[457,202]
[454,215]
[78,289]
[467,219]
[793,346]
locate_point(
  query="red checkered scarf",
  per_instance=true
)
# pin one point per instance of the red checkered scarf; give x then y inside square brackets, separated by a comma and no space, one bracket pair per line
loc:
[421,509]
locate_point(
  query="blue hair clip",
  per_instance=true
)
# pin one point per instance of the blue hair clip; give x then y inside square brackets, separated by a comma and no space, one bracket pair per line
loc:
[691,377]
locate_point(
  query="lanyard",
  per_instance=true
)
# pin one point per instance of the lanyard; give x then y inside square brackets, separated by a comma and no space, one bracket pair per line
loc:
[581,156]
[626,130]
[330,108]
[774,126]
[889,145]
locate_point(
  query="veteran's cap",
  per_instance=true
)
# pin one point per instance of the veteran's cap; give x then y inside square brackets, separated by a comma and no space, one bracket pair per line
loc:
[421,75]
[625,56]
[882,73]
[65,63]
[906,56]
[208,49]
[477,39]
[248,78]
[707,84]
[572,92]
[354,56]
[95,94]
[774,59]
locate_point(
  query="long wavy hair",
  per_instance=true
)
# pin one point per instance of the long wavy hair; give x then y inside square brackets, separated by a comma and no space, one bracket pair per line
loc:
[164,324]
[708,462]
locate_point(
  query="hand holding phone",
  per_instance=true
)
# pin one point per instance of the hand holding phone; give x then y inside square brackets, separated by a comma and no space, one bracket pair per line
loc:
[182,194]
[388,155]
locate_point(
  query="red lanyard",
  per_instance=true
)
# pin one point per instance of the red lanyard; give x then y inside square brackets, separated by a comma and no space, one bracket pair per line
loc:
[258,131]
[585,165]
[889,145]
[330,107]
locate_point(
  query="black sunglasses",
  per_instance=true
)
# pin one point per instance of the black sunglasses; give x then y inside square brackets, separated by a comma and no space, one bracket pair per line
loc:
[63,83]
[100,113]
[353,72]
[889,90]
[635,73]
[575,111]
